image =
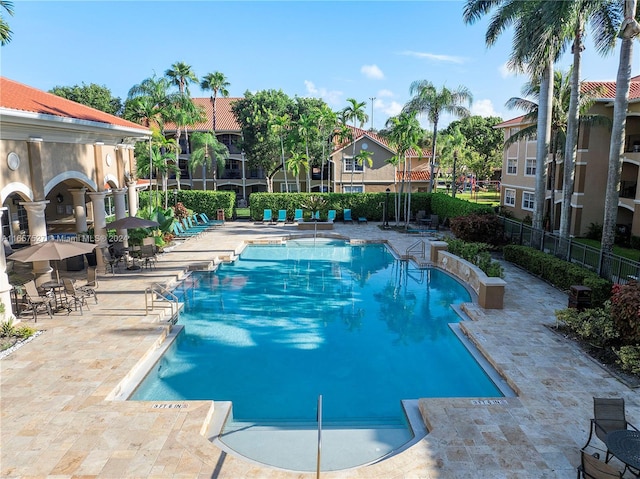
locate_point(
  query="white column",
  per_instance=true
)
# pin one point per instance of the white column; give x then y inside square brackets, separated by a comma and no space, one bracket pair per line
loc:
[121,212]
[99,223]
[38,234]
[5,287]
[79,210]
[133,198]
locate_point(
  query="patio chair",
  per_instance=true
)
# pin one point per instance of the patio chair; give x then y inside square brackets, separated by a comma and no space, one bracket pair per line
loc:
[435,222]
[37,302]
[347,216]
[593,468]
[148,255]
[91,284]
[110,261]
[608,416]
[267,217]
[298,215]
[331,215]
[282,216]
[75,298]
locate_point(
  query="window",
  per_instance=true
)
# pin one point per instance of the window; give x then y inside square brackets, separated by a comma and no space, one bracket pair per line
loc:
[510,197]
[349,165]
[512,166]
[528,201]
[293,188]
[530,167]
[353,189]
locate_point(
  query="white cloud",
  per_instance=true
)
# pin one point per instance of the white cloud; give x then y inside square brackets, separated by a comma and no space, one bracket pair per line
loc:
[332,97]
[372,71]
[434,56]
[392,108]
[483,108]
[505,71]
[385,93]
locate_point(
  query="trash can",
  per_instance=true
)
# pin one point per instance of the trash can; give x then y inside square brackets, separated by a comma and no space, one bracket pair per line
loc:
[579,297]
[220,214]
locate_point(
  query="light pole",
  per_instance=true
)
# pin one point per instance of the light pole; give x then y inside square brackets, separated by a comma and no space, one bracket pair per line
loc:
[386,209]
[372,100]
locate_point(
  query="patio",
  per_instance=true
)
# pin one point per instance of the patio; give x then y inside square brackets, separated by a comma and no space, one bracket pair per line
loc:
[57,420]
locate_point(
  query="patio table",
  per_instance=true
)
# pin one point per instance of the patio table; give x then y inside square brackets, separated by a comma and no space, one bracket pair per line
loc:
[625,445]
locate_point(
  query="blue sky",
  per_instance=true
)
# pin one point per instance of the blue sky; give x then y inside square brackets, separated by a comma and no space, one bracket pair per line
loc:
[332,50]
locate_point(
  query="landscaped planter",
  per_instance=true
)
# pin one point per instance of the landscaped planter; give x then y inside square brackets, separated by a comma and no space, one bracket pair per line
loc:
[315,225]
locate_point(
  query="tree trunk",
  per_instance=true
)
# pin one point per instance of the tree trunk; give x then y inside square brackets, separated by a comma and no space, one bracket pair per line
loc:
[571,143]
[629,32]
[543,140]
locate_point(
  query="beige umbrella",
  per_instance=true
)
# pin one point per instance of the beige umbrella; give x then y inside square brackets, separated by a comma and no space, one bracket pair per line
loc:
[52,251]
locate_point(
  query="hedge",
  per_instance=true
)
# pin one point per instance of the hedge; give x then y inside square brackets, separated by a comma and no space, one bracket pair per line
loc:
[558,272]
[208,202]
[447,207]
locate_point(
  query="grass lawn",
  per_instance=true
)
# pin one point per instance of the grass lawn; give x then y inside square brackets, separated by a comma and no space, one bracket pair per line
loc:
[483,197]
[242,213]
[632,254]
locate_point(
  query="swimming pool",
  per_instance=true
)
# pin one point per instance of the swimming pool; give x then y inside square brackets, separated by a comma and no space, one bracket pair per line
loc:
[286,323]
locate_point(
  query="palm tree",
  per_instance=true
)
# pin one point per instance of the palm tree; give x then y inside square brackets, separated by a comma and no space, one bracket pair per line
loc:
[537,44]
[306,125]
[454,145]
[562,92]
[208,152]
[429,101]
[404,134]
[281,126]
[297,161]
[343,134]
[327,120]
[180,74]
[217,83]
[355,112]
[628,32]
[5,31]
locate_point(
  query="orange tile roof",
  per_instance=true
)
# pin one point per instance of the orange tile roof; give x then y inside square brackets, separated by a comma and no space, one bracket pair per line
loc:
[20,97]
[415,175]
[359,133]
[225,119]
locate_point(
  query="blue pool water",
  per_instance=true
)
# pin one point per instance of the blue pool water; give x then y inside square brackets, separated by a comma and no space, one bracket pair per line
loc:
[286,323]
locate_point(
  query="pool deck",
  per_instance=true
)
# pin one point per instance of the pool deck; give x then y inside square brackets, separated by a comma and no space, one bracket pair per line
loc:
[57,420]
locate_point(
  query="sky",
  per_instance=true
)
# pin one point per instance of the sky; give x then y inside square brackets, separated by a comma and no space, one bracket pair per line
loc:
[331,50]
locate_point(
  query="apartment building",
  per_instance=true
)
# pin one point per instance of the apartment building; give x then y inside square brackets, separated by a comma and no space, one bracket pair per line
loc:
[339,174]
[587,202]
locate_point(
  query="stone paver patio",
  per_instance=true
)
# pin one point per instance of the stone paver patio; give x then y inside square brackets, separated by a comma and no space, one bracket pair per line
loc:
[56,420]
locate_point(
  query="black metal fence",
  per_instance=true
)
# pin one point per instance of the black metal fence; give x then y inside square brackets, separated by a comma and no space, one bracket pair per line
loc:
[609,266]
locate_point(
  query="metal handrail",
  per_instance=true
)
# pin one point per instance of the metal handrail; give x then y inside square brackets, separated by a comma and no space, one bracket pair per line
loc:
[420,246]
[159,294]
[319,436]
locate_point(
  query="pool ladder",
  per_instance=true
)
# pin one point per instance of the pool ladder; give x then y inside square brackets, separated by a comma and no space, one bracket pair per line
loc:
[419,247]
[158,293]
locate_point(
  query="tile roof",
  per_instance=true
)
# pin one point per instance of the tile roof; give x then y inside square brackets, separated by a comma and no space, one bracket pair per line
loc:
[358,133]
[415,175]
[20,97]
[225,120]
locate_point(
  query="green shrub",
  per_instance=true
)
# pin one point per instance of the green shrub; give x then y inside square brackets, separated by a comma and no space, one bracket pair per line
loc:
[24,332]
[593,325]
[7,329]
[594,231]
[629,358]
[477,254]
[447,207]
[485,228]
[635,242]
[208,202]
[625,310]
[560,273]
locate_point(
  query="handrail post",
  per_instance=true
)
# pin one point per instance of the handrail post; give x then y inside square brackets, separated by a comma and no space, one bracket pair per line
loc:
[319,436]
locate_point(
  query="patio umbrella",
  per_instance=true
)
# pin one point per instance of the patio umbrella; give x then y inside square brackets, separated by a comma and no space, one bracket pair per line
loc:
[130,222]
[52,251]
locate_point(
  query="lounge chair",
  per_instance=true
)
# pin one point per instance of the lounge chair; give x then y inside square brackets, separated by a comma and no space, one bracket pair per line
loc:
[362,219]
[205,220]
[75,298]
[608,416]
[298,216]
[36,302]
[593,468]
[181,232]
[189,225]
[282,216]
[90,285]
[347,216]
[267,217]
[331,215]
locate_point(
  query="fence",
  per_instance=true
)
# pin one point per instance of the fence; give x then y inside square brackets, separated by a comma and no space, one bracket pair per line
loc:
[609,266]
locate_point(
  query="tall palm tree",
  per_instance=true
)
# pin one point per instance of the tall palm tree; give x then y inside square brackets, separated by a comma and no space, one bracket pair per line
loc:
[306,126]
[536,45]
[281,125]
[327,120]
[5,31]
[208,152]
[404,134]
[343,134]
[181,75]
[433,103]
[355,111]
[217,83]
[454,144]
[562,92]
